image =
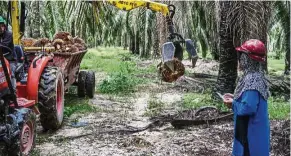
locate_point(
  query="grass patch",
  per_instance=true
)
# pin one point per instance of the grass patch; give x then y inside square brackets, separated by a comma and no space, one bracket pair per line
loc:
[110,59]
[122,81]
[120,66]
[104,59]
[117,83]
[77,105]
[154,107]
[93,61]
[276,66]
[195,100]
[151,69]
[278,108]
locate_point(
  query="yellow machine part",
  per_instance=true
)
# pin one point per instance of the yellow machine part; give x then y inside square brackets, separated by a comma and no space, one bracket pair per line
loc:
[34,49]
[132,4]
[15,22]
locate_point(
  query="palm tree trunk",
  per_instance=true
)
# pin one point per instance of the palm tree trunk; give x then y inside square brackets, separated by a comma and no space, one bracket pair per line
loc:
[28,28]
[287,39]
[251,22]
[132,44]
[162,30]
[264,21]
[227,59]
[35,19]
[215,51]
[156,37]
[287,56]
[137,43]
[3,10]
[125,42]
[73,31]
[239,21]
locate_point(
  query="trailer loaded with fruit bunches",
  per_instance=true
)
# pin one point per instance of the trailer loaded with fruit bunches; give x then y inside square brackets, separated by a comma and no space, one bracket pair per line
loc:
[62,70]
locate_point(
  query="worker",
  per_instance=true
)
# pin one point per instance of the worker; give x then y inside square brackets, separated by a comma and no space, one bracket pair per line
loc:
[249,102]
[6,39]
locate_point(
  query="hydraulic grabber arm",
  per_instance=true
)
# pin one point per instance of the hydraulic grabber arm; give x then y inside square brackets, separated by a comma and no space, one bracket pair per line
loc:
[172,51]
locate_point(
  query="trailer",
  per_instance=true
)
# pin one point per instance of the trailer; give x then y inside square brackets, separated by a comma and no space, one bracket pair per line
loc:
[69,64]
[49,76]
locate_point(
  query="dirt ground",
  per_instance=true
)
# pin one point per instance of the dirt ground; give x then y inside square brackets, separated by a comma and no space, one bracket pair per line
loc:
[104,136]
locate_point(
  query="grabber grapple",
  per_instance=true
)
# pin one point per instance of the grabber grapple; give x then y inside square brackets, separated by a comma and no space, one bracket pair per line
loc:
[17,115]
[171,67]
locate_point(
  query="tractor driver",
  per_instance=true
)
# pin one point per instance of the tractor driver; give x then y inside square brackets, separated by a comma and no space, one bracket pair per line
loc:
[6,39]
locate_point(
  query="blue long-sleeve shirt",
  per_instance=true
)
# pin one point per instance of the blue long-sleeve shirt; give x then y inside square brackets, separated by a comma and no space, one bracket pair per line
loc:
[251,125]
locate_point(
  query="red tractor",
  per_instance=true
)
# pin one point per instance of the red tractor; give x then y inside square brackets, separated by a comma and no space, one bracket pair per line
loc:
[17,117]
[42,77]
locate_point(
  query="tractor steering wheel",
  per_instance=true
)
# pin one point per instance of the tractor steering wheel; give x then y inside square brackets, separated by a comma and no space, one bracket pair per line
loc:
[5,47]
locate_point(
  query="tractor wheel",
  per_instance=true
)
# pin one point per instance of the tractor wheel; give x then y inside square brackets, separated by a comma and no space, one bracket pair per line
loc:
[90,84]
[81,83]
[25,143]
[51,98]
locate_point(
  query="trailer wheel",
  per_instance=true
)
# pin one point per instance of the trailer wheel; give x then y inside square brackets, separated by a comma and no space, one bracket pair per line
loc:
[90,84]
[51,98]
[25,142]
[81,84]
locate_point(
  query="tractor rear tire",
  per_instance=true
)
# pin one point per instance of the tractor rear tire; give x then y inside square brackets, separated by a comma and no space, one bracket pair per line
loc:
[25,142]
[90,84]
[51,98]
[81,84]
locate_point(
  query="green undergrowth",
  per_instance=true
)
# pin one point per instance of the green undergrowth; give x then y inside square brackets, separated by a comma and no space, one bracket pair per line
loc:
[117,83]
[196,100]
[122,69]
[276,66]
[103,59]
[278,108]
[154,107]
[73,105]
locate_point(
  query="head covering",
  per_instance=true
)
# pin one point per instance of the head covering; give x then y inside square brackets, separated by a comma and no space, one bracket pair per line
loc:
[2,20]
[253,78]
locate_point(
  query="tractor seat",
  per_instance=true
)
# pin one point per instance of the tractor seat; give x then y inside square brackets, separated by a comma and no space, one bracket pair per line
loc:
[23,102]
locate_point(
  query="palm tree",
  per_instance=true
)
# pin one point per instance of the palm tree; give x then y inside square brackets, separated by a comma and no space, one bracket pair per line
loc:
[227,57]
[35,5]
[283,17]
[156,37]
[239,21]
[3,9]
[162,30]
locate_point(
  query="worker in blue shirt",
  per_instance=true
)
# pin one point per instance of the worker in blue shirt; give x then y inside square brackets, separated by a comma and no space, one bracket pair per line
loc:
[249,103]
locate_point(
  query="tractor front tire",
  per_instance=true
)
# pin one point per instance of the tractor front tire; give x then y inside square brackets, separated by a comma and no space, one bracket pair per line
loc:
[25,142]
[81,90]
[90,84]
[51,98]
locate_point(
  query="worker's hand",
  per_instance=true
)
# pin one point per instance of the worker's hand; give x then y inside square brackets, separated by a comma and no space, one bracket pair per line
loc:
[228,95]
[228,101]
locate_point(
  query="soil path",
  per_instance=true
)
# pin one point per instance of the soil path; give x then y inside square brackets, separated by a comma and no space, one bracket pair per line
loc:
[116,114]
